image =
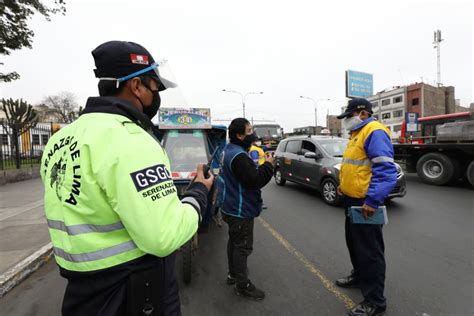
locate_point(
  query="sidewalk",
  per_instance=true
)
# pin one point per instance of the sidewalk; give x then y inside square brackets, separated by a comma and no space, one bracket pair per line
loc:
[24,237]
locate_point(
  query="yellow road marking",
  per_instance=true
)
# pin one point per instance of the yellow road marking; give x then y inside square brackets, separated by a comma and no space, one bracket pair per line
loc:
[329,285]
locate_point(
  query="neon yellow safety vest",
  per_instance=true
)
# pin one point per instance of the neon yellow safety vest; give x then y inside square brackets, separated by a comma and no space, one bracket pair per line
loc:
[109,195]
[261,154]
[356,169]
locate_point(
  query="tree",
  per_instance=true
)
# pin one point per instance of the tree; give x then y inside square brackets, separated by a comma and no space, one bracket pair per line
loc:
[63,106]
[20,117]
[14,31]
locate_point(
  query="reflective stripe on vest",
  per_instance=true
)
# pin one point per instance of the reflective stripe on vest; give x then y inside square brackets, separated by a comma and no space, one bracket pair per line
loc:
[192,201]
[365,162]
[382,159]
[355,174]
[95,255]
[84,228]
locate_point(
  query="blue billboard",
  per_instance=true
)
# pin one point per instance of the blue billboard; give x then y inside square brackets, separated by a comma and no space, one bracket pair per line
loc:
[359,84]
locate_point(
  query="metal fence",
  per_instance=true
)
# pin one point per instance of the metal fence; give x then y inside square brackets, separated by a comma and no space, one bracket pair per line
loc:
[30,147]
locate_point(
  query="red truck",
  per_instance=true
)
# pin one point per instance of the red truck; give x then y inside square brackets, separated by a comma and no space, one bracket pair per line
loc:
[442,150]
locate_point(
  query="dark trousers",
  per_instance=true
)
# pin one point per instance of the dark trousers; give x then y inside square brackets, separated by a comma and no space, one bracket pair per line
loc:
[366,250]
[111,292]
[239,247]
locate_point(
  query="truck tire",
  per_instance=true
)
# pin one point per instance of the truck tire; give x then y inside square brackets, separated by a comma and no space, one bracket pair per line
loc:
[470,173]
[458,171]
[435,168]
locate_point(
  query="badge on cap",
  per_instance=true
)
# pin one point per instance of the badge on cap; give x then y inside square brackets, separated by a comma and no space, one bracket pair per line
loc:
[139,59]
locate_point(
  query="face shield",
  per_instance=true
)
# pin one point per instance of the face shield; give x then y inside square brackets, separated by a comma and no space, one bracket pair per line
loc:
[162,73]
[159,71]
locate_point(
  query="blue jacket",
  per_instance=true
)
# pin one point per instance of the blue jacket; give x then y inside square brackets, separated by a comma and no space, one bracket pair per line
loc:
[378,151]
[234,199]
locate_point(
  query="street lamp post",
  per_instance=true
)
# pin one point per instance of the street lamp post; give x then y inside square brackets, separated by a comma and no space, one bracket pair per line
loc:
[315,110]
[243,96]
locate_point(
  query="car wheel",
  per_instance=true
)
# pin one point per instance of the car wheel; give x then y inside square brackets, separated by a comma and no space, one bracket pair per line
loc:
[435,168]
[329,192]
[470,173]
[279,180]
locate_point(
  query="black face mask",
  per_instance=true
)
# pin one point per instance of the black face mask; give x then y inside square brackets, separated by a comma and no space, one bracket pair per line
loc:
[248,140]
[151,109]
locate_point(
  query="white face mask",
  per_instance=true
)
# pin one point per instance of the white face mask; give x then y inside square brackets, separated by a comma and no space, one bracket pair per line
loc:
[350,122]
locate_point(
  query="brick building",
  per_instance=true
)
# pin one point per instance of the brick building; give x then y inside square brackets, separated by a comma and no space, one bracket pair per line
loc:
[390,105]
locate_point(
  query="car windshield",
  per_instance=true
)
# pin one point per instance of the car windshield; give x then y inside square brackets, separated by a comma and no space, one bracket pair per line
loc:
[186,149]
[334,147]
[267,131]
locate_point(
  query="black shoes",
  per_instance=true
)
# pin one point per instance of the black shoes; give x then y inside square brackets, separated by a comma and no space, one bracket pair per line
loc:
[250,292]
[231,280]
[348,282]
[367,309]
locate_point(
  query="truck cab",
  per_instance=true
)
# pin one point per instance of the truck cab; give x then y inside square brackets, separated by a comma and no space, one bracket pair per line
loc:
[269,134]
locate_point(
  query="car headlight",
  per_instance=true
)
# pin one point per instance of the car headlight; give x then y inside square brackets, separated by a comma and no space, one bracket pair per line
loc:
[399,171]
[337,166]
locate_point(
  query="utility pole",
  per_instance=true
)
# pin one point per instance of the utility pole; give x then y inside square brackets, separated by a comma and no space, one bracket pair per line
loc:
[437,44]
[315,109]
[327,119]
[243,96]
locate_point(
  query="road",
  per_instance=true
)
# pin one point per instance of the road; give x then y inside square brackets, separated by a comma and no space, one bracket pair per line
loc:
[300,249]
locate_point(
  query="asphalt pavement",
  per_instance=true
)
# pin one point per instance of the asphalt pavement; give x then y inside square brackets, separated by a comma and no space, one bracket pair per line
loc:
[300,249]
[24,237]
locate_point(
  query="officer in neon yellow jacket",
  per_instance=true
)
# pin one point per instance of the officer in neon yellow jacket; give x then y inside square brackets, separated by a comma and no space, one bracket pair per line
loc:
[114,216]
[368,174]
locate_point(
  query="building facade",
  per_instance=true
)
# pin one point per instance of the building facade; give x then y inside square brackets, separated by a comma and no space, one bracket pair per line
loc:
[30,142]
[390,105]
[427,100]
[334,125]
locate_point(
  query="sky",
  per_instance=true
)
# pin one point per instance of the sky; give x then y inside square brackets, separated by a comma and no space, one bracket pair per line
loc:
[286,49]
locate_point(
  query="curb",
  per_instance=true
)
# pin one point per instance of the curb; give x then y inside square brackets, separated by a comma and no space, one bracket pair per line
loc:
[24,268]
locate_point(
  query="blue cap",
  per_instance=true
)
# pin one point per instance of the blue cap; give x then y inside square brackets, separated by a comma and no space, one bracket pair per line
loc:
[356,105]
